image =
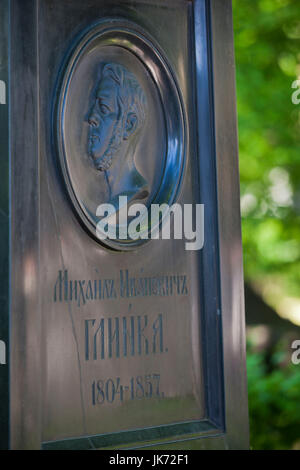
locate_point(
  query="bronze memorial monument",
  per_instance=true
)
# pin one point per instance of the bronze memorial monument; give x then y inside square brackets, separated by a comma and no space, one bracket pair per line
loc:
[122,320]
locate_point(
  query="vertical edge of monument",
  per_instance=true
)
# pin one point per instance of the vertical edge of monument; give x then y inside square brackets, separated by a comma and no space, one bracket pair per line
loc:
[4,229]
[229,219]
[212,318]
[26,353]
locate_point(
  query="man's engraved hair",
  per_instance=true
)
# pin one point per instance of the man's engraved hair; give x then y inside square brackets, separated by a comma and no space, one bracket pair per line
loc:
[131,97]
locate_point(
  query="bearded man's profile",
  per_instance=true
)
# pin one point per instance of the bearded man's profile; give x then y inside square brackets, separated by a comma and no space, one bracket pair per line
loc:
[116,120]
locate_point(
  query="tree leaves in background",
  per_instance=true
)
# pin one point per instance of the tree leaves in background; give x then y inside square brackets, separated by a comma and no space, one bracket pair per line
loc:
[267,40]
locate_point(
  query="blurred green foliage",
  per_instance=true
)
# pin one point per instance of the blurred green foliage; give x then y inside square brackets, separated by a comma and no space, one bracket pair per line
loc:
[267,42]
[274,402]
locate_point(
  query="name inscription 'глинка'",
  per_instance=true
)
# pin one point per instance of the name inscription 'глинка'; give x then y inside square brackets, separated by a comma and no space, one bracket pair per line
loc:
[119,337]
[126,286]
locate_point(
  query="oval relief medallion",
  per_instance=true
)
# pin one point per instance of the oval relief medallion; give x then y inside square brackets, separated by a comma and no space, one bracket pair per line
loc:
[119,125]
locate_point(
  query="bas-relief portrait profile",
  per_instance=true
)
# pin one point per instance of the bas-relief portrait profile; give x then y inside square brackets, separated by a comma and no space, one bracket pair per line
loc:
[116,121]
[119,126]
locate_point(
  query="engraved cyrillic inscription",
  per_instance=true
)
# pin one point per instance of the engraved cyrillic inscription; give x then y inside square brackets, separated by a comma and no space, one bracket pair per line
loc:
[126,287]
[118,337]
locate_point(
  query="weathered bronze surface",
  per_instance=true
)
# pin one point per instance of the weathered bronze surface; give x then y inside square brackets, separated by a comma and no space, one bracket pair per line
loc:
[123,343]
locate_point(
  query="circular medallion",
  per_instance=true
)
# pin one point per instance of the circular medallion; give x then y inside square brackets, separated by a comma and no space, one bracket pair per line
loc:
[119,127]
